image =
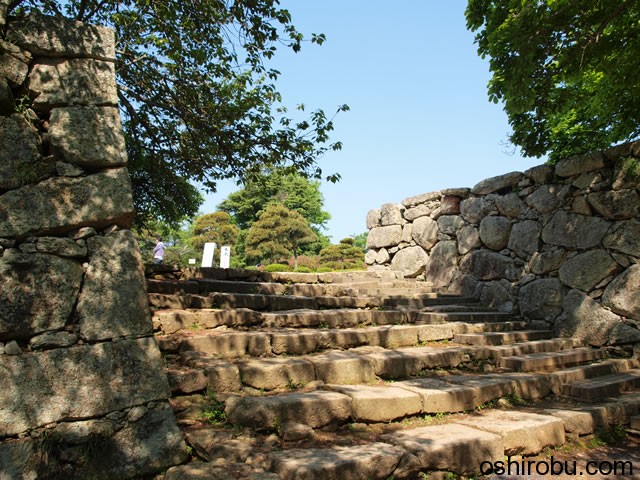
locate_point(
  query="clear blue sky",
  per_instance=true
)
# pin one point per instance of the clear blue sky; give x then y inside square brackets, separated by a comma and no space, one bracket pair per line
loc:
[420,119]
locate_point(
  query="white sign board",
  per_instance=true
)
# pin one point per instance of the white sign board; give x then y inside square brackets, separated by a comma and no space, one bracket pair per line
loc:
[225,256]
[207,254]
[192,261]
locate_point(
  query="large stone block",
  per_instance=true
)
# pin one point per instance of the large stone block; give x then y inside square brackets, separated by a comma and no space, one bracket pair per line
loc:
[616,205]
[79,382]
[494,232]
[410,261]
[487,265]
[624,237]
[524,238]
[388,236]
[88,136]
[579,164]
[622,296]
[77,81]
[495,184]
[585,270]
[574,230]
[468,239]
[548,198]
[442,263]
[542,299]
[37,293]
[19,152]
[425,232]
[60,37]
[452,447]
[585,319]
[14,63]
[510,205]
[391,214]
[113,301]
[65,204]
[475,209]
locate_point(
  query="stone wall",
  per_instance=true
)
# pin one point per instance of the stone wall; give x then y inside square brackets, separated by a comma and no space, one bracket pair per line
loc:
[559,245]
[83,393]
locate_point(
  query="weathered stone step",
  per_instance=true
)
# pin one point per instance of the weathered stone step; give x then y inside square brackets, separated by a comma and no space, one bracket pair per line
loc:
[458,446]
[583,372]
[171,320]
[596,389]
[384,403]
[518,349]
[229,370]
[465,316]
[286,341]
[501,338]
[553,360]
[252,275]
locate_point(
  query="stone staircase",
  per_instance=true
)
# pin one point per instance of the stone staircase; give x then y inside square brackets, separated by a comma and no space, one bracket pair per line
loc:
[365,375]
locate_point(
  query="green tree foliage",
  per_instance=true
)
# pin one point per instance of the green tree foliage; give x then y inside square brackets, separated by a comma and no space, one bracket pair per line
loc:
[566,70]
[279,232]
[344,256]
[360,240]
[215,227]
[198,100]
[292,190]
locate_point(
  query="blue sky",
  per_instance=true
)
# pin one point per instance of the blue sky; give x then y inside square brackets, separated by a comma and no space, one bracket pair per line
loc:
[420,120]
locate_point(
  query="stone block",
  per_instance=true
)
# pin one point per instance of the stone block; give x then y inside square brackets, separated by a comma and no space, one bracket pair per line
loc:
[579,164]
[78,81]
[113,301]
[439,396]
[621,295]
[380,403]
[19,152]
[38,293]
[316,409]
[523,433]
[88,136]
[616,205]
[576,422]
[494,232]
[14,63]
[624,237]
[495,184]
[61,37]
[375,461]
[65,204]
[78,382]
[586,270]
[524,238]
[276,373]
[342,368]
[388,236]
[573,230]
[452,447]
[410,261]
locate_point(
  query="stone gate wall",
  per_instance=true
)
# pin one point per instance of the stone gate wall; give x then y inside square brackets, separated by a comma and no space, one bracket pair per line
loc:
[559,245]
[83,393]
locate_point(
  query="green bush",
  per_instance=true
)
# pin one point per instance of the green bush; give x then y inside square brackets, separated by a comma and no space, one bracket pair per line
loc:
[277,267]
[303,269]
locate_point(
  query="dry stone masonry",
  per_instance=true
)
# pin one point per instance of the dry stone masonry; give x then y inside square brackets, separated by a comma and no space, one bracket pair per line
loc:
[560,245]
[83,392]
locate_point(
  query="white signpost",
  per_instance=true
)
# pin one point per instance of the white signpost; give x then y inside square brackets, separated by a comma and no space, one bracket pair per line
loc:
[225,256]
[207,255]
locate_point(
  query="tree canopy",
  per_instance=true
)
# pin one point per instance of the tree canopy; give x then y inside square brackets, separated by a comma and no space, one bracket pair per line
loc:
[214,227]
[197,96]
[279,232]
[292,190]
[566,70]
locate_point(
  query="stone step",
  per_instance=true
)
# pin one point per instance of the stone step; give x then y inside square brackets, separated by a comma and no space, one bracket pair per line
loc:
[456,446]
[287,341]
[596,389]
[254,275]
[553,360]
[462,316]
[526,348]
[501,338]
[583,372]
[381,403]
[228,364]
